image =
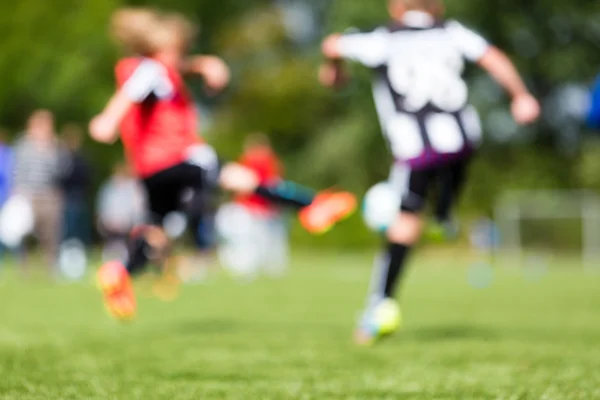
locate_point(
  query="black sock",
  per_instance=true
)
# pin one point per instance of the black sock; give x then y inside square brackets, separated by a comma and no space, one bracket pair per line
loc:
[287,194]
[138,255]
[443,208]
[396,258]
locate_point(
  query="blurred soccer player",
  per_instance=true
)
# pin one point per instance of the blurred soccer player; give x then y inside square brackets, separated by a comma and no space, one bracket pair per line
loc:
[155,115]
[263,246]
[422,102]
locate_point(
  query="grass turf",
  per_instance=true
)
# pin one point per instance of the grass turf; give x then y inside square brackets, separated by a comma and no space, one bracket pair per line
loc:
[520,338]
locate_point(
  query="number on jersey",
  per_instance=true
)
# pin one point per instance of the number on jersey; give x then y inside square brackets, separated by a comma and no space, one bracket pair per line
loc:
[422,80]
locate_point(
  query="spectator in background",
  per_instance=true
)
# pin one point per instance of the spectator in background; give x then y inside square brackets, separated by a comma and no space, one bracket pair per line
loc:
[262,245]
[121,206]
[37,173]
[75,184]
[259,157]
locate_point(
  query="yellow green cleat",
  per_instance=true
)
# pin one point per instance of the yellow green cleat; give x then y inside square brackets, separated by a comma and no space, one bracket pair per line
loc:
[382,320]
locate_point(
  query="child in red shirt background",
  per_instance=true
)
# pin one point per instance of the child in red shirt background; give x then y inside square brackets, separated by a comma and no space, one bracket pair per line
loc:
[261,245]
[260,158]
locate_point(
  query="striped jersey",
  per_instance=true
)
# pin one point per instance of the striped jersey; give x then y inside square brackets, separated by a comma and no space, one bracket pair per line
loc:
[419,91]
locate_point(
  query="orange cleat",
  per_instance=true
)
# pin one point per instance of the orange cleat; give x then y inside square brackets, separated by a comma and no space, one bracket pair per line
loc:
[326,210]
[115,283]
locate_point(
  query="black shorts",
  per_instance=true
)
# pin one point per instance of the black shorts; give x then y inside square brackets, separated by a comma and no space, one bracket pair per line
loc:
[183,187]
[448,178]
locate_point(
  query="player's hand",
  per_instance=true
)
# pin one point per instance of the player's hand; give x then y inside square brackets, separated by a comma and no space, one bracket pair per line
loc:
[238,179]
[327,74]
[525,109]
[332,75]
[102,129]
[215,72]
[330,46]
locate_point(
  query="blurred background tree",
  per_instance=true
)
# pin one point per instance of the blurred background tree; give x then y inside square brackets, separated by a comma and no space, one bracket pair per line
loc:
[58,55]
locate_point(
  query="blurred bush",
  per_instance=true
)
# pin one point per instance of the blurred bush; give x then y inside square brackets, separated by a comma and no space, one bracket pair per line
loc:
[58,55]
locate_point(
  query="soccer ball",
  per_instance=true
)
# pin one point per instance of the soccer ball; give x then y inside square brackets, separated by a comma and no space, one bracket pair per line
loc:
[381,204]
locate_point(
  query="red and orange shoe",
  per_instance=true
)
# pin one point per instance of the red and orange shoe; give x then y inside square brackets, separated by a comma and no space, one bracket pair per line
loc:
[326,210]
[115,283]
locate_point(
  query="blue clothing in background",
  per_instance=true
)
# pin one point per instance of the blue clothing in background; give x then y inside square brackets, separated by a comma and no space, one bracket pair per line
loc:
[593,116]
[6,166]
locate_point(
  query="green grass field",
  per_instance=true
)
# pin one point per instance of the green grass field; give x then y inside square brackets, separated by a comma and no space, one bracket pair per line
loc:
[290,339]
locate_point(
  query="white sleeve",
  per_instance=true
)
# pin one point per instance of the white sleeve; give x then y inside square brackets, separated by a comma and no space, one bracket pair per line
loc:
[370,49]
[150,77]
[472,45]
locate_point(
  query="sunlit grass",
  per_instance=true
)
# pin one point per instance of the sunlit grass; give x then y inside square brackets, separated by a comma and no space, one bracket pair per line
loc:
[518,338]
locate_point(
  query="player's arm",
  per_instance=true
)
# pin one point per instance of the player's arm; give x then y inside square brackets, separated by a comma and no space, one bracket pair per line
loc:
[525,108]
[332,48]
[212,69]
[332,73]
[368,48]
[104,127]
[148,78]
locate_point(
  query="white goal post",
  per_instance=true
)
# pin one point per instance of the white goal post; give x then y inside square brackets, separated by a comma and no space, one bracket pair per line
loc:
[515,207]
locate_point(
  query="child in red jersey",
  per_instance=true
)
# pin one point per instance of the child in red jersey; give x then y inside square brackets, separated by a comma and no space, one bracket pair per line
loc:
[261,246]
[259,157]
[156,118]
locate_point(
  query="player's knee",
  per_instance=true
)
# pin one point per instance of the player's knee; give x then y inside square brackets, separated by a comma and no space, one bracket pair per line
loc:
[153,240]
[237,178]
[406,229]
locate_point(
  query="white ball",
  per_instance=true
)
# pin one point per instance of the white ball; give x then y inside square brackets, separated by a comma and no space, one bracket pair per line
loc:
[381,205]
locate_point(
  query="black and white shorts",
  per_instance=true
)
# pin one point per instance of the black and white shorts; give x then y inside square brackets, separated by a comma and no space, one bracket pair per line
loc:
[416,185]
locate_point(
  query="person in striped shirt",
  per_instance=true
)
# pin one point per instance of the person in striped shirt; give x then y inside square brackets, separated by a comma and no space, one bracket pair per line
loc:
[39,164]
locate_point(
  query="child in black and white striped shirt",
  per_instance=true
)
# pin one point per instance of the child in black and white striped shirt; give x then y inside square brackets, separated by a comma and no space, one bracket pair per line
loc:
[422,102]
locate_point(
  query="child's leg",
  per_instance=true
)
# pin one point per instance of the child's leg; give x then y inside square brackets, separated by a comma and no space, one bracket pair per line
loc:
[146,244]
[239,179]
[405,232]
[452,180]
[318,212]
[391,263]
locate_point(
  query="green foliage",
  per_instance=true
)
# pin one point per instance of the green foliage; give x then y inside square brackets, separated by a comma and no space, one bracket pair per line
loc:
[58,55]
